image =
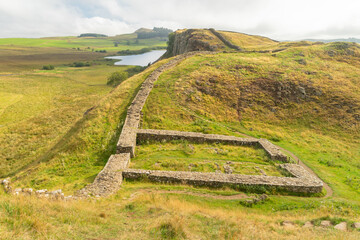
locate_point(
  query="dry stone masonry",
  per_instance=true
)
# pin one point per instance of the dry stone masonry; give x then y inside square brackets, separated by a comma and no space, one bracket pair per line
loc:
[109,179]
[272,150]
[169,135]
[158,135]
[302,183]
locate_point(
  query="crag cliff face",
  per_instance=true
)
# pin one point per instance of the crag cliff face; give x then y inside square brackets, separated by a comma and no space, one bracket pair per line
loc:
[190,40]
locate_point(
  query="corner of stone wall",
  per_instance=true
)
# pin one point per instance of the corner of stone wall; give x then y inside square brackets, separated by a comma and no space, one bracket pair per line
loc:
[272,150]
[109,180]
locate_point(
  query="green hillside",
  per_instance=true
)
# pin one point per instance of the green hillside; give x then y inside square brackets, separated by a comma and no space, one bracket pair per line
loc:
[302,96]
[122,42]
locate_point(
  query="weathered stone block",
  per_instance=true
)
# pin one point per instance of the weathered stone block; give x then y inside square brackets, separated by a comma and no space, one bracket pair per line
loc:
[273,151]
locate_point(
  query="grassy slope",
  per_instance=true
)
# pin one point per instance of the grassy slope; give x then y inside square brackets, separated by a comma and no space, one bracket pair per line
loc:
[126,215]
[250,93]
[248,42]
[76,157]
[43,106]
[40,110]
[179,103]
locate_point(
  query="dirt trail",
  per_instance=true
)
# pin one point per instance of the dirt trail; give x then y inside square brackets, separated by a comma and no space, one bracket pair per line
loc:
[329,191]
[207,195]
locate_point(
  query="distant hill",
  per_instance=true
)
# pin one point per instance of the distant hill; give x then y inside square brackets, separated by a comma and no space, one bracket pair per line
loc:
[144,33]
[357,40]
[141,30]
[92,35]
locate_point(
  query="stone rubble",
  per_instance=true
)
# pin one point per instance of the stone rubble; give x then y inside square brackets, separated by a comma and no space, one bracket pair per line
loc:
[308,224]
[356,225]
[341,226]
[288,224]
[43,193]
[325,223]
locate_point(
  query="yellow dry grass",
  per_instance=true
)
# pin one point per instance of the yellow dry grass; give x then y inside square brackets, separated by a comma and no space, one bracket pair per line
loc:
[248,42]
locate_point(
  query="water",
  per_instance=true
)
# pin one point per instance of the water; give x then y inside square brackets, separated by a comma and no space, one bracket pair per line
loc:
[139,59]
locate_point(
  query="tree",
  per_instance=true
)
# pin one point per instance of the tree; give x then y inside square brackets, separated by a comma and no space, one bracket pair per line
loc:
[116,78]
[48,67]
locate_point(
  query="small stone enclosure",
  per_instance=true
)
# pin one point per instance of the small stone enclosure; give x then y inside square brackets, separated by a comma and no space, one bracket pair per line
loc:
[109,180]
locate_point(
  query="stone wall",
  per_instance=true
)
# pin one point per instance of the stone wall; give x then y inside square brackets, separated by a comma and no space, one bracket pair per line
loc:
[302,182]
[224,40]
[273,151]
[158,135]
[109,180]
[127,140]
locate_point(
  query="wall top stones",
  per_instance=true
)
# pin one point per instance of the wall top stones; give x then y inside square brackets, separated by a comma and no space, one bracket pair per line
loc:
[296,184]
[158,135]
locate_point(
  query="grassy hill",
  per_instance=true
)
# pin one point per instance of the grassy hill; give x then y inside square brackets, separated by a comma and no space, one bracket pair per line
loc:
[302,96]
[124,42]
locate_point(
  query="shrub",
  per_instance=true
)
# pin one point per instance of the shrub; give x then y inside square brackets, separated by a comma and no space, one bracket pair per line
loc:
[116,78]
[80,64]
[135,70]
[48,67]
[171,230]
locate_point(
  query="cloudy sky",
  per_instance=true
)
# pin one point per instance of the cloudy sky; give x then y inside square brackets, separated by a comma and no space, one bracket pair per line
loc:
[278,19]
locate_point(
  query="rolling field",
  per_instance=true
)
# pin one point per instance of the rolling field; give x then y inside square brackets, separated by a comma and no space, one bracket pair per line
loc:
[125,41]
[41,109]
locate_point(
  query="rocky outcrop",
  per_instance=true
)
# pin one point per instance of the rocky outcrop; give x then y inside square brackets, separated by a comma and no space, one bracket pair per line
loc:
[191,40]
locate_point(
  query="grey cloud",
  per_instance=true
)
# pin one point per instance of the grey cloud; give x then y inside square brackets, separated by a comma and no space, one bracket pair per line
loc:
[278,19]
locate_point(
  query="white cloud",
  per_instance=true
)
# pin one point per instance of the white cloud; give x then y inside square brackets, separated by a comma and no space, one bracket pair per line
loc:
[279,19]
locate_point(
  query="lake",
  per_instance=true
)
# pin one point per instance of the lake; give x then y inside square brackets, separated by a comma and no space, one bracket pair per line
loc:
[139,59]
